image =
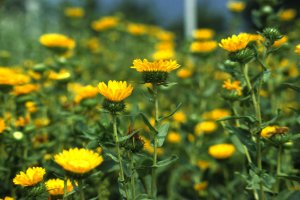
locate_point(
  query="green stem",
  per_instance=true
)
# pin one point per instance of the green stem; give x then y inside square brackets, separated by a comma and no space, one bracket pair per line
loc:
[132,176]
[278,170]
[65,188]
[121,175]
[81,193]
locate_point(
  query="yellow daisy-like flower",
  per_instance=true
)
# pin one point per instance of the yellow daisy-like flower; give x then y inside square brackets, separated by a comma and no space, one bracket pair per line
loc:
[184,73]
[74,12]
[105,23]
[58,76]
[203,47]
[9,76]
[270,131]
[163,54]
[32,176]
[235,42]
[203,164]
[56,186]
[2,125]
[8,198]
[287,15]
[31,106]
[236,6]
[179,116]
[156,66]
[115,91]
[82,92]
[25,89]
[203,34]
[205,127]
[136,29]
[200,186]
[55,40]
[78,161]
[297,49]
[221,151]
[174,137]
[233,86]
[280,42]
[216,114]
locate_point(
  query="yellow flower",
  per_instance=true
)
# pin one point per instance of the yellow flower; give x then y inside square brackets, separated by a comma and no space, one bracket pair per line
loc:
[22,121]
[200,186]
[32,176]
[105,23]
[74,12]
[173,137]
[56,186]
[233,86]
[202,164]
[205,127]
[235,42]
[184,73]
[164,35]
[297,49]
[236,6]
[9,76]
[270,131]
[41,122]
[149,148]
[221,151]
[25,89]
[78,161]
[31,106]
[163,54]
[136,29]
[93,44]
[55,40]
[155,66]
[216,114]
[2,125]
[61,75]
[191,137]
[165,45]
[115,91]
[287,15]
[8,198]
[203,47]
[83,92]
[203,34]
[280,42]
[179,116]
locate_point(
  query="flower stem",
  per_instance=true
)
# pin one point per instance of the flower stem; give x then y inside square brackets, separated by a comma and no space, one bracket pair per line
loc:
[278,170]
[132,176]
[81,193]
[65,188]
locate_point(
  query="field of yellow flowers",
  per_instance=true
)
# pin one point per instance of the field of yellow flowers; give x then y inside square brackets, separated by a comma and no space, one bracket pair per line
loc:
[108,108]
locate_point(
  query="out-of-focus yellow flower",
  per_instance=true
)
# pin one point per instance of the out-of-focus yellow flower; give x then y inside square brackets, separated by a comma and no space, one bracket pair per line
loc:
[236,6]
[56,186]
[200,186]
[41,122]
[179,116]
[115,91]
[105,23]
[165,35]
[34,75]
[191,137]
[93,44]
[22,121]
[221,151]
[163,54]
[184,73]
[216,114]
[235,42]
[78,161]
[263,93]
[2,125]
[233,86]
[9,76]
[47,156]
[136,29]
[74,12]
[287,14]
[220,75]
[155,66]
[203,46]
[25,89]
[280,42]
[173,137]
[203,34]
[7,198]
[32,176]
[149,148]
[31,106]
[165,45]
[61,75]
[57,41]
[82,92]
[205,127]
[270,131]
[203,164]
[297,49]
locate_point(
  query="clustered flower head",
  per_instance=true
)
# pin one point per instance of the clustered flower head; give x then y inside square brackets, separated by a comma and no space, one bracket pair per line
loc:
[235,42]
[155,66]
[233,86]
[57,42]
[115,91]
[30,177]
[78,161]
[221,151]
[56,186]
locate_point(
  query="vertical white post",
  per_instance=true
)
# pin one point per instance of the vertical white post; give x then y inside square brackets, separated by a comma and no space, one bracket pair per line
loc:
[190,17]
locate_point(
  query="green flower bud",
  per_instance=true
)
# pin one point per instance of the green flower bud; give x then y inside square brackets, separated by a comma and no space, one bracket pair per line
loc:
[113,107]
[243,56]
[155,77]
[271,34]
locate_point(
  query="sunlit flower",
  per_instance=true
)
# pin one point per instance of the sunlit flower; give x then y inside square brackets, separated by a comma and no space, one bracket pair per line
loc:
[83,92]
[2,125]
[280,42]
[7,198]
[25,89]
[173,137]
[149,148]
[184,73]
[179,116]
[165,35]
[57,41]
[31,106]
[205,127]
[78,161]
[203,46]
[93,44]
[203,34]
[22,121]
[155,66]
[61,75]
[136,29]
[233,86]
[216,114]
[236,6]
[235,42]
[115,91]
[163,54]
[270,131]
[31,177]
[165,45]
[74,12]
[105,23]
[56,186]
[9,76]
[200,186]
[221,151]
[297,49]
[287,14]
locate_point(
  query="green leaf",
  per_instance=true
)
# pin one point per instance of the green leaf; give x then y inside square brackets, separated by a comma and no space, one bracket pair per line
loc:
[248,118]
[292,86]
[272,121]
[114,158]
[143,197]
[170,115]
[162,133]
[290,177]
[146,121]
[128,136]
[168,85]
[166,161]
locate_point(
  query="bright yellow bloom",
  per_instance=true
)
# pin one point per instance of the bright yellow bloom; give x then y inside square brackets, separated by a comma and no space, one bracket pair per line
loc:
[184,73]
[32,176]
[55,40]
[136,29]
[8,198]
[235,42]
[203,47]
[22,121]
[78,161]
[115,91]
[163,54]
[105,23]
[61,75]
[173,137]
[155,66]
[200,186]
[236,6]
[280,42]
[149,148]
[74,12]
[297,49]
[56,186]
[269,131]
[25,89]
[216,114]
[221,151]
[287,15]
[31,106]
[82,92]
[9,76]
[165,35]
[233,86]
[205,127]
[165,45]
[179,116]
[203,34]
[2,125]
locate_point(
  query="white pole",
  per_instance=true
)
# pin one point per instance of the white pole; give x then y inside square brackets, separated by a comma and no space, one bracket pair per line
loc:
[190,17]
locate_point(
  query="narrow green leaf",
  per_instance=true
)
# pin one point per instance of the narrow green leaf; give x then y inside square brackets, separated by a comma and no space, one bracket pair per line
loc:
[172,113]
[128,136]
[162,133]
[290,177]
[166,161]
[146,121]
[292,86]
[114,158]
